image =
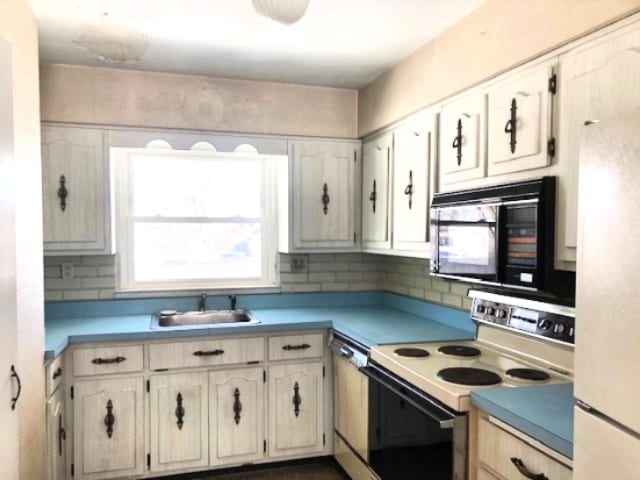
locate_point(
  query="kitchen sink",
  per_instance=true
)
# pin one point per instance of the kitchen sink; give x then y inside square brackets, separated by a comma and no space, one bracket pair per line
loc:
[212,318]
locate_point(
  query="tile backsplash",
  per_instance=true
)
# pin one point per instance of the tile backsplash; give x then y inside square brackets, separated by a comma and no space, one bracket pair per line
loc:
[94,277]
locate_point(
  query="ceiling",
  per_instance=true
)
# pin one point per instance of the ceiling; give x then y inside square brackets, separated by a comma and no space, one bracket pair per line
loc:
[338,43]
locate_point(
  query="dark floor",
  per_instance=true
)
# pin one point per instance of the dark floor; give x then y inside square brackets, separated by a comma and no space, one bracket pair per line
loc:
[315,469]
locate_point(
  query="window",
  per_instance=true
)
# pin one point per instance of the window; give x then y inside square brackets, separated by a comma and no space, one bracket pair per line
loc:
[194,219]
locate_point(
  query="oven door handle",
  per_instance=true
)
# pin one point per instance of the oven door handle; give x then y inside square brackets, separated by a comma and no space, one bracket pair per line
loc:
[444,418]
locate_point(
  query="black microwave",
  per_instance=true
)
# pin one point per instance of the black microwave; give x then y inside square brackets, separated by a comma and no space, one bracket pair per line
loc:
[499,235]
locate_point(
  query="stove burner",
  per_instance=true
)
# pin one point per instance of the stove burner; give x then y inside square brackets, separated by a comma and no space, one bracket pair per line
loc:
[469,376]
[459,351]
[411,352]
[528,374]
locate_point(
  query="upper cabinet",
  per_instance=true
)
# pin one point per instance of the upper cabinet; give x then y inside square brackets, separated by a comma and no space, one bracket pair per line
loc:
[76,192]
[376,165]
[598,79]
[520,121]
[319,191]
[463,127]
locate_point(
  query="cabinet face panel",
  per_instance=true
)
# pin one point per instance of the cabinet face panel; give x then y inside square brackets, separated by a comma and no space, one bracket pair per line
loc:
[98,454]
[83,226]
[412,157]
[295,409]
[178,421]
[323,218]
[527,98]
[597,80]
[376,162]
[463,123]
[56,436]
[236,415]
[105,360]
[292,347]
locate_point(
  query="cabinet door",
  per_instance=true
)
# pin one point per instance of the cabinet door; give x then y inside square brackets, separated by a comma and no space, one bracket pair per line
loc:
[376,162]
[463,132]
[324,194]
[108,419]
[597,80]
[236,416]
[178,421]
[520,121]
[56,436]
[413,149]
[75,188]
[295,409]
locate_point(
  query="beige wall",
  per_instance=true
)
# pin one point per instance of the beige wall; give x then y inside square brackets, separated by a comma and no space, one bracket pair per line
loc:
[497,36]
[146,99]
[18,26]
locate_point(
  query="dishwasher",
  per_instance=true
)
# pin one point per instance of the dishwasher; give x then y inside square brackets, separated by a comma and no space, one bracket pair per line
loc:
[351,406]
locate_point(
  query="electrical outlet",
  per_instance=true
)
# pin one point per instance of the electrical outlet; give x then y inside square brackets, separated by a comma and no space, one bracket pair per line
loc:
[299,263]
[67,270]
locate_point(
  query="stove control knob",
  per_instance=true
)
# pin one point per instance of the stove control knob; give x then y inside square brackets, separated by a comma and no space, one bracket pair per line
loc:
[544,324]
[480,309]
[559,328]
[490,310]
[500,313]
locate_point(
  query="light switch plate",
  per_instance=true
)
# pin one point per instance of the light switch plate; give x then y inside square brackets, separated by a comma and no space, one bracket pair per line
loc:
[67,270]
[298,263]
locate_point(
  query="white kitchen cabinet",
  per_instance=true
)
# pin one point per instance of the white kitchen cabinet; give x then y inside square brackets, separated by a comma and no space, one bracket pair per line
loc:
[236,416]
[178,416]
[519,120]
[597,80]
[463,140]
[296,409]
[414,150]
[318,197]
[76,192]
[376,185]
[57,436]
[108,419]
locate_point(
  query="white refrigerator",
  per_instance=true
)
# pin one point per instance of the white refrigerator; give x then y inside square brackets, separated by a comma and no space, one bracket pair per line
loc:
[607,347]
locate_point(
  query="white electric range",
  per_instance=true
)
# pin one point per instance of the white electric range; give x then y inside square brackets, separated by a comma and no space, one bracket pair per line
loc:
[520,342]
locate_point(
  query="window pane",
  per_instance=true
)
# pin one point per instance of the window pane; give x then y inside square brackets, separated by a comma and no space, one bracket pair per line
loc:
[170,251]
[179,186]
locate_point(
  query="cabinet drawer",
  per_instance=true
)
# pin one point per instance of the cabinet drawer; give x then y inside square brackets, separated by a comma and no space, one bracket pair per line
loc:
[53,375]
[496,448]
[295,346]
[205,353]
[102,360]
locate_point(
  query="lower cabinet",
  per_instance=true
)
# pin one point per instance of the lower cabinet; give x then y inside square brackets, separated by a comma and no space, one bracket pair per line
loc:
[108,417]
[236,416]
[178,413]
[56,435]
[296,417]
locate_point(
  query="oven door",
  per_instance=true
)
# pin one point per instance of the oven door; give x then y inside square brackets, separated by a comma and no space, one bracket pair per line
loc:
[412,435]
[465,241]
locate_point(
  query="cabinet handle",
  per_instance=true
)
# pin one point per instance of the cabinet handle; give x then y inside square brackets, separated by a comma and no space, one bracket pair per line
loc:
[325,198]
[373,197]
[237,406]
[57,373]
[109,418]
[15,399]
[303,346]
[208,353]
[510,126]
[297,400]
[62,193]
[457,142]
[591,122]
[106,361]
[519,464]
[179,411]
[62,435]
[409,188]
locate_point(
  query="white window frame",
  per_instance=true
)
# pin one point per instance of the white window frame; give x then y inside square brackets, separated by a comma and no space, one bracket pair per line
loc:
[121,162]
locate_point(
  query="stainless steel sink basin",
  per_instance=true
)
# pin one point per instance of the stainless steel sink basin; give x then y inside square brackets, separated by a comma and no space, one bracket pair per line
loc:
[202,319]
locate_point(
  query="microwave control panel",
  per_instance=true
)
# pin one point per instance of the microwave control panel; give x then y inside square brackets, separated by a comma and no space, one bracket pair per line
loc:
[531,321]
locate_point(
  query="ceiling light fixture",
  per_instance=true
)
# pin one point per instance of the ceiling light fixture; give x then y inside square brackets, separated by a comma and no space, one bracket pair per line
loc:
[283,11]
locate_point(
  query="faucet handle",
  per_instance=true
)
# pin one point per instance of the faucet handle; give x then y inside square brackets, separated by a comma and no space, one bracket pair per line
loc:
[234,301]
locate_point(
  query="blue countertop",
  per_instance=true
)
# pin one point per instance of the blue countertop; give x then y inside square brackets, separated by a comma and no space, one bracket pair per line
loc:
[544,412]
[370,318]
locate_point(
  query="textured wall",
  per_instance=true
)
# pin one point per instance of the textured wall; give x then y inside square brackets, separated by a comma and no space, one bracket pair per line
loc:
[146,99]
[497,36]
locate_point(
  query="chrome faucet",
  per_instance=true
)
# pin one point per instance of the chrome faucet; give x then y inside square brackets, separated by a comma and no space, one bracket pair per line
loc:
[234,301]
[202,302]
